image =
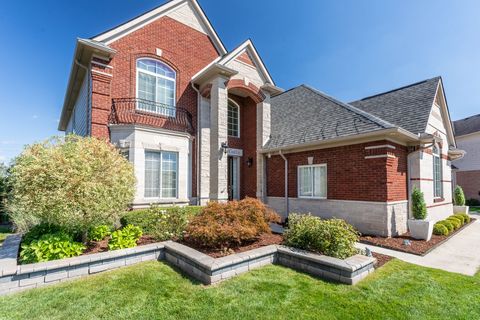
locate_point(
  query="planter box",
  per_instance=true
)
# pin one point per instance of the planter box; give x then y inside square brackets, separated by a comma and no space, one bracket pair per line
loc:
[421,229]
[461,209]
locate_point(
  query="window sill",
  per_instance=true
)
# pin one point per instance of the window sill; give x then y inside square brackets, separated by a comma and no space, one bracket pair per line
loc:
[436,200]
[312,198]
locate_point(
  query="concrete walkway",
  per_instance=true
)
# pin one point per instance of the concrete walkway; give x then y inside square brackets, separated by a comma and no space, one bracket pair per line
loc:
[459,254]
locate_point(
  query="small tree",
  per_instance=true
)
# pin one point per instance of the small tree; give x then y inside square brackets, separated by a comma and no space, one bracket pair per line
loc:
[73,182]
[459,196]
[419,207]
[4,189]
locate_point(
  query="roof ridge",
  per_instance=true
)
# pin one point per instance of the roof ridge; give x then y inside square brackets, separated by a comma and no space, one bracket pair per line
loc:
[349,107]
[397,89]
[467,118]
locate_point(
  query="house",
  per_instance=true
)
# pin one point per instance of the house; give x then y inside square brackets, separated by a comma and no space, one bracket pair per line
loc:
[201,123]
[467,172]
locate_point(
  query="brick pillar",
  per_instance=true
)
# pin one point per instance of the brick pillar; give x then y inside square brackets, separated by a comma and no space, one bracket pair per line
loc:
[101,104]
[218,135]
[263,134]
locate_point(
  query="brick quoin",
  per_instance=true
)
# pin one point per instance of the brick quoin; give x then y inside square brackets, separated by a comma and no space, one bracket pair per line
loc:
[184,49]
[349,175]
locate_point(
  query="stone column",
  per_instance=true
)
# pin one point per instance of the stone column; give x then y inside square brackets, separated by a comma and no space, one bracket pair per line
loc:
[263,134]
[218,135]
[204,145]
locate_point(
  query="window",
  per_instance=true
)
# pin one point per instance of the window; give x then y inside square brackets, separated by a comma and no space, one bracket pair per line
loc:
[233,120]
[437,173]
[156,86]
[312,181]
[161,171]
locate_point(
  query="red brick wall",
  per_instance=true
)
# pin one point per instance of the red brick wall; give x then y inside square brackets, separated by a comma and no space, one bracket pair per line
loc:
[185,49]
[349,175]
[470,183]
[246,142]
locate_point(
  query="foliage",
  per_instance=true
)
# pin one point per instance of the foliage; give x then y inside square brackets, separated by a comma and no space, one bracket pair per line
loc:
[440,229]
[73,182]
[456,222]
[223,225]
[333,237]
[51,246]
[449,225]
[99,233]
[459,196]
[466,217]
[36,232]
[473,202]
[419,207]
[162,223]
[459,217]
[125,238]
[4,192]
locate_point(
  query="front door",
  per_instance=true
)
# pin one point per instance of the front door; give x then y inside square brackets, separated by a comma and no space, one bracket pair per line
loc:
[233,178]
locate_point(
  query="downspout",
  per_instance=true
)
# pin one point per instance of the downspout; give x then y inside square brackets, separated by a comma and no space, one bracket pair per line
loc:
[287,205]
[197,145]
[87,74]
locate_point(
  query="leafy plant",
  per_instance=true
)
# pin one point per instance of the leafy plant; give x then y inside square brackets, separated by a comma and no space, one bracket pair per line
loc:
[99,233]
[459,196]
[333,237]
[419,207]
[125,238]
[466,217]
[36,232]
[440,229]
[448,224]
[459,217]
[4,192]
[455,221]
[73,182]
[223,225]
[50,246]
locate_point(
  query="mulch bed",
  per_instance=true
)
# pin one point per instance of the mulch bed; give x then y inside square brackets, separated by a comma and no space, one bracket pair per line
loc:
[265,239]
[102,246]
[417,247]
[381,259]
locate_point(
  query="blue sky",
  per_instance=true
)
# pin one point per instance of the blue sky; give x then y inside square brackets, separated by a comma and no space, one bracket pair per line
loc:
[348,49]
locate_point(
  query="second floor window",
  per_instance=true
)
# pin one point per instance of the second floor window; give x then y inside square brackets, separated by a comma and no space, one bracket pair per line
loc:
[437,173]
[233,120]
[156,87]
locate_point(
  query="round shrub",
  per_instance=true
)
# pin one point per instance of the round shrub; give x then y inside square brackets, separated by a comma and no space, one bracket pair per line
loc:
[223,225]
[99,233]
[459,217]
[440,230]
[459,196]
[73,182]
[456,222]
[51,246]
[447,224]
[419,207]
[466,217]
[333,237]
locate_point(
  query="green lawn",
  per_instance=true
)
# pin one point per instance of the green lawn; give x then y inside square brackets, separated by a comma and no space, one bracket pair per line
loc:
[475,209]
[153,290]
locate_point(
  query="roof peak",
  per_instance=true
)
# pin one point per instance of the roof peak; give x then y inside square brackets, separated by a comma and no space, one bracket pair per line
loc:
[468,118]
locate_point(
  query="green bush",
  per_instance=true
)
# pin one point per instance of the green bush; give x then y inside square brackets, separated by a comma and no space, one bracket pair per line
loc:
[125,238]
[449,225]
[456,222]
[4,192]
[466,217]
[333,237]
[459,217]
[419,207]
[36,232]
[99,233]
[50,246]
[440,229]
[74,182]
[473,202]
[459,196]
[162,223]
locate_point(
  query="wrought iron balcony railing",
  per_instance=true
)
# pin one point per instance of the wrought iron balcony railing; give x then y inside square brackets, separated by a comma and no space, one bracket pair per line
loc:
[140,111]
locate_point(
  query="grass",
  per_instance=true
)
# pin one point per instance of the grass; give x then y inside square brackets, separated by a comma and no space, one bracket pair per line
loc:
[4,232]
[474,209]
[153,290]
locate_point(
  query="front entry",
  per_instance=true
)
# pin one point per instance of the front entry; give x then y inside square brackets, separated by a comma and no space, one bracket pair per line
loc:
[233,178]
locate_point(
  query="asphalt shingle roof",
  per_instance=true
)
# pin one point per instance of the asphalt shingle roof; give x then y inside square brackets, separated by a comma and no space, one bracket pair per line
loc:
[303,114]
[407,107]
[467,125]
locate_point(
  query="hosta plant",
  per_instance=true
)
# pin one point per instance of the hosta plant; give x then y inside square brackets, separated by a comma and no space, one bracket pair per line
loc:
[99,233]
[50,246]
[125,238]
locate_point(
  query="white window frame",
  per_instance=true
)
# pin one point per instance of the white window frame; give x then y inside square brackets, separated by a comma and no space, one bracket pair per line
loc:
[230,101]
[160,173]
[313,182]
[138,70]
[437,155]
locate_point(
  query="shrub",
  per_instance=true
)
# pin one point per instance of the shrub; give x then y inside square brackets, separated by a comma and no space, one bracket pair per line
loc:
[222,225]
[99,233]
[466,217]
[473,202]
[125,238]
[449,225]
[333,237]
[51,246]
[459,196]
[4,192]
[440,229]
[456,222]
[419,207]
[162,223]
[73,182]
[38,231]
[459,217]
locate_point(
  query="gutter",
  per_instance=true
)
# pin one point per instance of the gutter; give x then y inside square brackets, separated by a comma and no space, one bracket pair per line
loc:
[287,204]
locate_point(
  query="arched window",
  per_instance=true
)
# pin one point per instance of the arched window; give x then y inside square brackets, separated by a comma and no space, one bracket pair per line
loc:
[233,119]
[155,87]
[437,172]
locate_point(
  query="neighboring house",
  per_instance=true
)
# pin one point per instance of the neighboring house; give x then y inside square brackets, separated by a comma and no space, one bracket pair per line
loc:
[201,123]
[467,134]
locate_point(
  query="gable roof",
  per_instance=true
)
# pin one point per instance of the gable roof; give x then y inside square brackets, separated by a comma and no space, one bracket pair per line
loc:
[467,125]
[320,117]
[138,22]
[407,107]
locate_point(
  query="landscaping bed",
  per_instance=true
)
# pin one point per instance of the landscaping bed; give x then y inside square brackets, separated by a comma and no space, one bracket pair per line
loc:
[417,247]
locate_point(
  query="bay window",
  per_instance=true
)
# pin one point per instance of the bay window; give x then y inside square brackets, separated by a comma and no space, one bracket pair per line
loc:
[161,172]
[312,181]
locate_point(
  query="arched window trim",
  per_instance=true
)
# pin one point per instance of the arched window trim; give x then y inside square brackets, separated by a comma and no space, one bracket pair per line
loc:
[233,104]
[156,106]
[437,171]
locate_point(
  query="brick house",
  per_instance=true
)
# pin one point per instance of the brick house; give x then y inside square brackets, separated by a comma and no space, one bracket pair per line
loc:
[467,172]
[200,123]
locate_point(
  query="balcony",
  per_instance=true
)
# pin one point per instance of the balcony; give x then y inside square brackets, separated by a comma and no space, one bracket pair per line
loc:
[150,113]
